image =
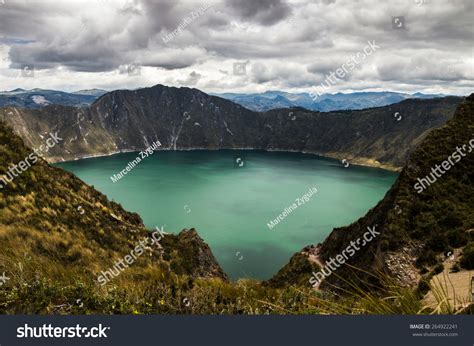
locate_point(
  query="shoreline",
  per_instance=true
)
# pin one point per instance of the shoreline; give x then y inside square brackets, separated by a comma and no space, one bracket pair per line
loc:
[362,161]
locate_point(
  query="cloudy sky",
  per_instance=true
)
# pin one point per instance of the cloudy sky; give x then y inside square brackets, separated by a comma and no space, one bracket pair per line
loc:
[237,46]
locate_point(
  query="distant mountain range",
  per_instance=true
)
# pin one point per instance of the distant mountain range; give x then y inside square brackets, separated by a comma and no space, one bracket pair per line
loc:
[184,118]
[37,98]
[324,103]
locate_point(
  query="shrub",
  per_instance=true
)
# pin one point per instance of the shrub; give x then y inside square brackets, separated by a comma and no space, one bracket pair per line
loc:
[427,257]
[467,259]
[423,286]
[438,268]
[457,238]
[438,242]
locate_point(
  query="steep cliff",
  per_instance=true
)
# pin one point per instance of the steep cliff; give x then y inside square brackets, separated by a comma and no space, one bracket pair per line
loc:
[186,118]
[417,226]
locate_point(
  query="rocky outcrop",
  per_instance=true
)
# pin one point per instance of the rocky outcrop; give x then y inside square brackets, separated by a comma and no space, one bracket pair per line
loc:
[183,118]
[195,258]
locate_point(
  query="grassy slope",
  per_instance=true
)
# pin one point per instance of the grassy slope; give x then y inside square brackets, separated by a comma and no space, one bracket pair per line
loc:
[416,229]
[52,253]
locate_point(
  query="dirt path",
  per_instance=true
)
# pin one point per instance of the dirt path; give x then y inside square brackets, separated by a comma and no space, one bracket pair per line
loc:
[312,252]
[456,286]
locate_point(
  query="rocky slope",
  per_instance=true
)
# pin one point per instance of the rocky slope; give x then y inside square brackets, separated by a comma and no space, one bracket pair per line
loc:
[417,228]
[185,118]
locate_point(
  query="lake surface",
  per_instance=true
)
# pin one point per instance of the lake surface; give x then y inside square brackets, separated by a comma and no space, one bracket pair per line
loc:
[230,197]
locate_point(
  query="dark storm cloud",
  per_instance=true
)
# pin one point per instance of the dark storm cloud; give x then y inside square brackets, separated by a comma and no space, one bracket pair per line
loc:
[128,33]
[93,57]
[171,59]
[265,12]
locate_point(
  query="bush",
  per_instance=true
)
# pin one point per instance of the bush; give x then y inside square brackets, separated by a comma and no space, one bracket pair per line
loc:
[467,259]
[450,220]
[438,242]
[457,238]
[427,257]
[438,268]
[423,286]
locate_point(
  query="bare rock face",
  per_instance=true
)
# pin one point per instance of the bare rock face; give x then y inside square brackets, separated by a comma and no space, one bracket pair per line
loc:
[401,264]
[183,118]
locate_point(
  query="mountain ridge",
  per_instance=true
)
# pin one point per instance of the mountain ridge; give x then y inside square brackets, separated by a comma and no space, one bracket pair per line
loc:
[184,118]
[271,99]
[326,102]
[37,98]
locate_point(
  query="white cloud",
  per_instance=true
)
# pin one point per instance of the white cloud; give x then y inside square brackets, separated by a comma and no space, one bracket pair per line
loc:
[288,45]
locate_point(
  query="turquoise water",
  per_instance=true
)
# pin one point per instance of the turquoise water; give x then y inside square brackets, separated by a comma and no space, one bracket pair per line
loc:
[231,196]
